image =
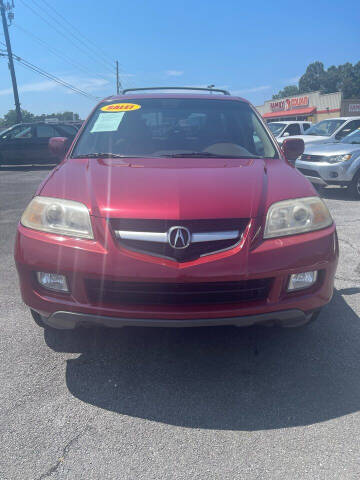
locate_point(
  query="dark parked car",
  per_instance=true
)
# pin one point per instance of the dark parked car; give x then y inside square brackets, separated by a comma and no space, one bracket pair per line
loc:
[28,143]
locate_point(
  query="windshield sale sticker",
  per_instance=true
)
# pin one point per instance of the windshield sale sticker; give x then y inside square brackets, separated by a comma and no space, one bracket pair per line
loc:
[121,107]
[107,122]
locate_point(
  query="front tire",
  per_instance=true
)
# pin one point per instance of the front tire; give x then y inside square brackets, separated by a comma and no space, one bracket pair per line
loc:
[354,187]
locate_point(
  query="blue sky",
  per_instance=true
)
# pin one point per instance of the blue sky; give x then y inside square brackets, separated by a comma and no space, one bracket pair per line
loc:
[252,48]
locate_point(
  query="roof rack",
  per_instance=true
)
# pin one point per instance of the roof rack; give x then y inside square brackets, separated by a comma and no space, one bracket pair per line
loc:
[209,89]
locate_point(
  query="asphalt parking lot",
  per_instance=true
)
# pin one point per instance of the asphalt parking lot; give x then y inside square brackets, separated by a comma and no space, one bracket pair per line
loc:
[215,403]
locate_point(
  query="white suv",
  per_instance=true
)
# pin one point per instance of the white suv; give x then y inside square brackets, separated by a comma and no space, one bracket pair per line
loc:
[331,130]
[282,130]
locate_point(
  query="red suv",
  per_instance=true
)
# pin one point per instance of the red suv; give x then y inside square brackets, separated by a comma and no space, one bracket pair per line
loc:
[175,210]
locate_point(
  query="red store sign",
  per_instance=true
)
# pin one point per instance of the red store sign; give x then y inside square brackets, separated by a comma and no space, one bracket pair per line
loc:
[289,103]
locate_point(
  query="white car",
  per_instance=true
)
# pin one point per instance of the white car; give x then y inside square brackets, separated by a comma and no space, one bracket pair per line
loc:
[282,130]
[331,130]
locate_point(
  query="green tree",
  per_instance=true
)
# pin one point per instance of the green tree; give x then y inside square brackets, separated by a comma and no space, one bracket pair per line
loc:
[350,80]
[288,91]
[344,78]
[10,118]
[331,80]
[313,78]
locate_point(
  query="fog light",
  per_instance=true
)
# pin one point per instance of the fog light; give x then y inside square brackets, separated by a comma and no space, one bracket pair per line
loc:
[299,281]
[52,281]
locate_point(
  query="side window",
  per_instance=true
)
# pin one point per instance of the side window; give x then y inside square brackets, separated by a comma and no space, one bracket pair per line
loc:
[306,126]
[45,131]
[348,128]
[293,129]
[22,132]
[65,130]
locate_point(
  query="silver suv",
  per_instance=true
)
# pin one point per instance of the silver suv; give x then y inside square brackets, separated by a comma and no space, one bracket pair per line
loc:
[333,163]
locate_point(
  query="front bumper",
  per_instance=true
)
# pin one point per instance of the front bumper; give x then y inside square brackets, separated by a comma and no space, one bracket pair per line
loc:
[80,260]
[323,173]
[70,320]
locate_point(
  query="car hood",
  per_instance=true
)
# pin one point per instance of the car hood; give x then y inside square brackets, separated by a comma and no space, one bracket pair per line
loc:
[331,149]
[167,188]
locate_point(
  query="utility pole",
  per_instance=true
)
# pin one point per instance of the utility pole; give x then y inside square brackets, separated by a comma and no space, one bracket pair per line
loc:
[118,83]
[10,57]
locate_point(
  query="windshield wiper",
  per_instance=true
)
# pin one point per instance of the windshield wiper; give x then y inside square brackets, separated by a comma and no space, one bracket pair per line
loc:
[105,155]
[204,155]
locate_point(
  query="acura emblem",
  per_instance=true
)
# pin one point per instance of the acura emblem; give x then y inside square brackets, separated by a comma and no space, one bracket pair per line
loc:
[179,237]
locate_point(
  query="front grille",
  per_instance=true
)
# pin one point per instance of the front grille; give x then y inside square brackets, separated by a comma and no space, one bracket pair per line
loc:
[309,173]
[194,250]
[312,158]
[148,293]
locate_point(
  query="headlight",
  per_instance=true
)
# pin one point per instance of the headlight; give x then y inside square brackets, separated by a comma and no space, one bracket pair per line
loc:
[337,158]
[55,215]
[301,215]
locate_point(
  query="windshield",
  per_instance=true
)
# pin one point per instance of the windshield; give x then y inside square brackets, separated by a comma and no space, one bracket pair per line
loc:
[276,128]
[175,127]
[353,137]
[324,128]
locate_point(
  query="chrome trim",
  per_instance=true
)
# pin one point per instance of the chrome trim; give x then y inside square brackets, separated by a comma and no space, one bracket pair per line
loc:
[214,236]
[144,236]
[162,237]
[223,249]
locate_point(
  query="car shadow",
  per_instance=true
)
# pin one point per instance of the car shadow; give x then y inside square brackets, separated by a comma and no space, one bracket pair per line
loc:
[336,193]
[221,377]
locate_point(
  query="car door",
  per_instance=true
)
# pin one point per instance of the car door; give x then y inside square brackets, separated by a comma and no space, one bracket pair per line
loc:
[17,147]
[43,134]
[347,128]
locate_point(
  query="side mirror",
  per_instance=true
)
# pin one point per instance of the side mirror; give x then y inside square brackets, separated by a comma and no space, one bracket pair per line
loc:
[293,148]
[286,134]
[58,147]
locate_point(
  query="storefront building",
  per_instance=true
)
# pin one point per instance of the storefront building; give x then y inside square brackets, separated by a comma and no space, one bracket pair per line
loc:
[350,108]
[312,106]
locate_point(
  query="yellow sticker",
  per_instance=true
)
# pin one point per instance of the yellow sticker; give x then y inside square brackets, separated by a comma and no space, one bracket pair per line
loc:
[121,107]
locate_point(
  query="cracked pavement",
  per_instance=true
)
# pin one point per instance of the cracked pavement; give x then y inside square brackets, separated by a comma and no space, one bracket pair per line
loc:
[215,403]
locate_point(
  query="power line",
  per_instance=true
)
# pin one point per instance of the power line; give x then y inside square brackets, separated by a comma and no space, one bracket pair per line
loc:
[57,53]
[55,79]
[53,27]
[75,28]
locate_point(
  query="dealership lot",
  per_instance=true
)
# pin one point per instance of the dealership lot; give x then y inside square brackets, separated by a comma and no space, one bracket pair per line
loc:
[161,404]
